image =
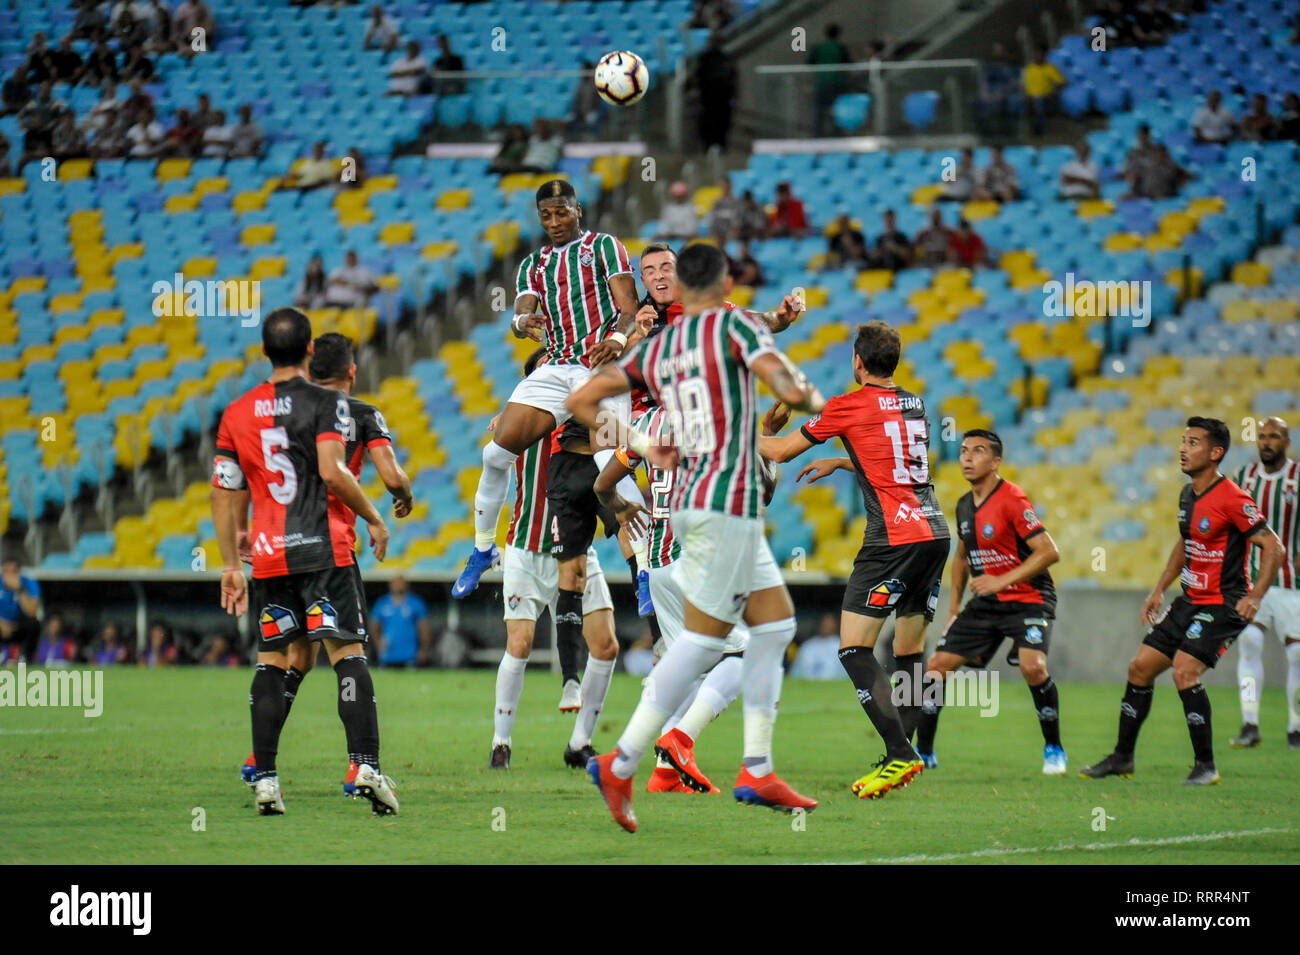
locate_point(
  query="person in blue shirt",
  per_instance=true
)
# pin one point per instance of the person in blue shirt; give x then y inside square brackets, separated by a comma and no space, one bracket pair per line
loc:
[20,598]
[400,625]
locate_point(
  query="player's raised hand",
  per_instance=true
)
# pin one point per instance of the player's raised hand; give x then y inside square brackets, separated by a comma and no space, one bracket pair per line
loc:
[645,319]
[777,417]
[1247,607]
[632,515]
[234,591]
[378,538]
[789,310]
[1151,609]
[824,467]
[401,507]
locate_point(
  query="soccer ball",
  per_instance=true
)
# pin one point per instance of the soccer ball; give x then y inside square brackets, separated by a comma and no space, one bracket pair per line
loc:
[621,78]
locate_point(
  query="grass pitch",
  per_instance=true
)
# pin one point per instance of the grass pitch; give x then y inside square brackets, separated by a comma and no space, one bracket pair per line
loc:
[124,787]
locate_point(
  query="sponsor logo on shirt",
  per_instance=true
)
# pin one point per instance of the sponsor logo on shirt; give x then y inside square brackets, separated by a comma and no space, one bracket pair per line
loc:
[908,514]
[987,532]
[1204,525]
[276,621]
[886,593]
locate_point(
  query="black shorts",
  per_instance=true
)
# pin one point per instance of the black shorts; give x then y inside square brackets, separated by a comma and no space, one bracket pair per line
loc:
[573,504]
[980,629]
[315,604]
[1204,631]
[902,579]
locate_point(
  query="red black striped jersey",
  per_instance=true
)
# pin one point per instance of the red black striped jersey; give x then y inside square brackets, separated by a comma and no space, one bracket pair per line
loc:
[267,443]
[369,430]
[996,533]
[1276,494]
[1215,526]
[887,437]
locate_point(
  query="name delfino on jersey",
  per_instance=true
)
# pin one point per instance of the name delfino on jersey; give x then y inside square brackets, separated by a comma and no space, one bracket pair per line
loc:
[895,403]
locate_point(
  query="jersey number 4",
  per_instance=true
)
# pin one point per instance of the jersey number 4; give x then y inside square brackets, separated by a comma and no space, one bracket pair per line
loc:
[915,467]
[275,441]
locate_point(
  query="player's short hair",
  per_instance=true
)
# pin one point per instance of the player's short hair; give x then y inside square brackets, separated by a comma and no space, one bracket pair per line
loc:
[879,347]
[285,336]
[654,247]
[701,266]
[556,189]
[532,361]
[995,443]
[331,358]
[1220,437]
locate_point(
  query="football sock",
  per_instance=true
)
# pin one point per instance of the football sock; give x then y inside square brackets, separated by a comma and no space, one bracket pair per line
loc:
[640,553]
[1132,711]
[1293,687]
[1048,704]
[569,644]
[1196,705]
[874,693]
[690,656]
[1250,672]
[761,674]
[510,684]
[357,710]
[656,634]
[631,565]
[266,701]
[928,723]
[595,685]
[493,483]
[911,667]
[674,721]
[292,680]
[719,690]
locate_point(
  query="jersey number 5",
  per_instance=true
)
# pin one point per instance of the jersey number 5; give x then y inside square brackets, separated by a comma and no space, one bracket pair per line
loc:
[274,443]
[915,467]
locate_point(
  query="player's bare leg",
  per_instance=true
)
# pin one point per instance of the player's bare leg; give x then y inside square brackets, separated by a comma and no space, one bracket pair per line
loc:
[602,649]
[1133,709]
[519,427]
[569,627]
[360,719]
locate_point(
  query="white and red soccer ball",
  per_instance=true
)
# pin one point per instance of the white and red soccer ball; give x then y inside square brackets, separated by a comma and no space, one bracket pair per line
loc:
[621,78]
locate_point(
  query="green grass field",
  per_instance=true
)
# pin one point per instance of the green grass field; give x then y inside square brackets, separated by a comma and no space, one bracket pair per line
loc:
[121,788]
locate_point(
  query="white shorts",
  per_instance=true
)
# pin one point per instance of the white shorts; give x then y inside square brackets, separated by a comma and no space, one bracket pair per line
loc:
[670,611]
[548,387]
[531,582]
[1279,613]
[724,559]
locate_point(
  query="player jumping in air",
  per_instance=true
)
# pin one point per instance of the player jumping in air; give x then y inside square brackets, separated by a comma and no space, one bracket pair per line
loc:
[702,370]
[1274,483]
[531,582]
[332,366]
[1004,550]
[284,442]
[1217,523]
[900,566]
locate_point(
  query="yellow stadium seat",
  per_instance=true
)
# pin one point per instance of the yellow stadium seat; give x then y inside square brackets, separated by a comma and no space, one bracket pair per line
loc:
[1177,223]
[975,211]
[112,352]
[26,283]
[872,281]
[199,267]
[351,200]
[635,246]
[1122,242]
[504,237]
[438,250]
[1240,311]
[178,204]
[454,199]
[925,195]
[612,170]
[38,353]
[106,316]
[397,233]
[353,217]
[1162,242]
[705,197]
[1026,281]
[271,266]
[261,233]
[10,186]
[211,184]
[515,181]
[170,169]
[119,388]
[1017,261]
[248,201]
[98,283]
[144,335]
[126,250]
[1280,311]
[71,169]
[1250,273]
[67,302]
[1181,279]
[742,296]
[11,370]
[76,371]
[1094,208]
[380,184]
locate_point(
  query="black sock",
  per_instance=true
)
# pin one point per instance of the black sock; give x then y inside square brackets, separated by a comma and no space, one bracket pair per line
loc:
[874,692]
[1196,705]
[1048,704]
[266,701]
[927,725]
[357,710]
[292,680]
[653,623]
[631,565]
[909,710]
[568,633]
[1132,711]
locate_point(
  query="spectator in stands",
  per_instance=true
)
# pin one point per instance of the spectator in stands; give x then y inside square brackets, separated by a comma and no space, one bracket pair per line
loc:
[139,9]
[56,647]
[932,242]
[311,287]
[147,137]
[67,142]
[893,250]
[999,91]
[38,119]
[788,218]
[998,181]
[246,138]
[715,86]
[409,74]
[185,138]
[726,214]
[357,171]
[351,284]
[1258,125]
[1288,121]
[449,62]
[40,60]
[828,85]
[161,651]
[1166,177]
[961,188]
[818,656]
[677,219]
[1151,25]
[965,247]
[712,14]
[101,66]
[845,244]
[753,220]
[16,92]
[1213,122]
[190,16]
[161,33]
[139,98]
[1043,83]
[314,172]
[216,136]
[129,31]
[744,268]
[20,599]
[514,143]
[90,20]
[1080,177]
[382,31]
[68,65]
[218,652]
[399,623]
[6,161]
[137,66]
[109,649]
[1117,21]
[1139,159]
[587,109]
[110,140]
[545,149]
[203,114]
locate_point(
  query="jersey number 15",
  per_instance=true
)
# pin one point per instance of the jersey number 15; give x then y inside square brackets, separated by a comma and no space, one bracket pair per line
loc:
[915,467]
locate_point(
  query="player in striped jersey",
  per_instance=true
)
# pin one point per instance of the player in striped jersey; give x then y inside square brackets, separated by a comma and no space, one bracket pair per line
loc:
[1273,481]
[702,370]
[530,583]
[582,282]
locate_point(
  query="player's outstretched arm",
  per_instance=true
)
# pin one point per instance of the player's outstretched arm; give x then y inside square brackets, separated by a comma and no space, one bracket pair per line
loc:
[1042,554]
[823,467]
[1270,562]
[1173,568]
[788,383]
[785,314]
[623,290]
[394,477]
[606,490]
[527,323]
[957,583]
[234,589]
[333,470]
